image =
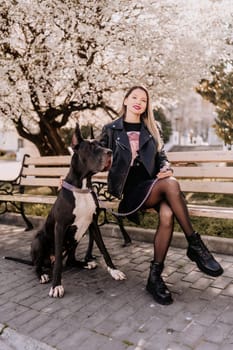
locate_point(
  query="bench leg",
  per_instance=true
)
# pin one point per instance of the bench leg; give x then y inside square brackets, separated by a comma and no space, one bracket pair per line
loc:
[119,222]
[29,225]
[127,239]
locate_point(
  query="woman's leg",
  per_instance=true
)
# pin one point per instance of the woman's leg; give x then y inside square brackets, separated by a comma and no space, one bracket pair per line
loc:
[164,232]
[168,189]
[155,284]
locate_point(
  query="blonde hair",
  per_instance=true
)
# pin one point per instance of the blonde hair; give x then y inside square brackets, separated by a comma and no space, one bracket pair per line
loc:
[147,116]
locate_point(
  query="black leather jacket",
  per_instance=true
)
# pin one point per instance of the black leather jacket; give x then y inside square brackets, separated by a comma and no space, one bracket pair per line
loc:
[115,137]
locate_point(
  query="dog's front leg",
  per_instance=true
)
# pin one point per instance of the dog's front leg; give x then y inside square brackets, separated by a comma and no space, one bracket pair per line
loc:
[57,290]
[95,231]
[89,256]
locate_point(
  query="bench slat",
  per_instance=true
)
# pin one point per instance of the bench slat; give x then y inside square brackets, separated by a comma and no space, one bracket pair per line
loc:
[47,171]
[27,198]
[205,186]
[194,210]
[204,172]
[47,199]
[208,211]
[39,182]
[49,160]
[200,157]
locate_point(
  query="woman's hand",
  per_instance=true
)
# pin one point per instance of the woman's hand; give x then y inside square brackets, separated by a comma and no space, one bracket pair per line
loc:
[165,171]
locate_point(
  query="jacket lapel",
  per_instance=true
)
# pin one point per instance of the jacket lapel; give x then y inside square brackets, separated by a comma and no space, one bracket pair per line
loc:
[145,136]
[121,138]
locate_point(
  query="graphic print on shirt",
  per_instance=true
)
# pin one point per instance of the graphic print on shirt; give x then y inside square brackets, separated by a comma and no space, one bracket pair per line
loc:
[134,143]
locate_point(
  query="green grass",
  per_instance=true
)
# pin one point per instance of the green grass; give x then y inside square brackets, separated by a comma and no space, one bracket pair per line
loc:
[206,226]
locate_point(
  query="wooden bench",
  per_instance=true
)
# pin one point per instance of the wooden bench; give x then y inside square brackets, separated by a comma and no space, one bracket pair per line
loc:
[198,172]
[38,182]
[205,172]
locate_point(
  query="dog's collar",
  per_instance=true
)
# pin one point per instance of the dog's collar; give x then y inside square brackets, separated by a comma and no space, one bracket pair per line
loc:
[72,188]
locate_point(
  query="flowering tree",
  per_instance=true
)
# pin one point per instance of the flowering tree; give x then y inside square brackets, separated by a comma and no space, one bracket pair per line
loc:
[50,70]
[219,91]
[61,57]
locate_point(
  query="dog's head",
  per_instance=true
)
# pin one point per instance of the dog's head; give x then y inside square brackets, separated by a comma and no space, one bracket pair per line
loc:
[89,156]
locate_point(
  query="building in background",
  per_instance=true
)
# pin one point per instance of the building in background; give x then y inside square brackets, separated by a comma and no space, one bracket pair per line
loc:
[11,142]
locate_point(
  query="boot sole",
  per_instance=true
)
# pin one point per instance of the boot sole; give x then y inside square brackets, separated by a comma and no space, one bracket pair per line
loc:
[203,269]
[157,299]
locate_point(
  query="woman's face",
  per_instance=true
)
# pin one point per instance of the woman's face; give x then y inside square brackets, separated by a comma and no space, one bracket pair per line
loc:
[136,102]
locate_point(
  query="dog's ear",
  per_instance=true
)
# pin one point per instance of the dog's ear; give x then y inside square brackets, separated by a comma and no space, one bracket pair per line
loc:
[77,137]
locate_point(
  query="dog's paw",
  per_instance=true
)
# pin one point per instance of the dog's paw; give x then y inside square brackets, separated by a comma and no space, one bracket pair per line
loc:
[44,278]
[90,265]
[116,274]
[57,292]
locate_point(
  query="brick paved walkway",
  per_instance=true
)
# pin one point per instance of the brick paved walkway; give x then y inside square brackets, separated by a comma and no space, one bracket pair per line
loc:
[98,313]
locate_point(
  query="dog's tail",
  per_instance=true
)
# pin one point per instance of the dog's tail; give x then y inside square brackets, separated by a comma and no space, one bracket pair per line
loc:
[22,261]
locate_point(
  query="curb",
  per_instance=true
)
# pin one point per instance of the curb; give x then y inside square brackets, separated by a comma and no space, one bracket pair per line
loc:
[219,245]
[12,340]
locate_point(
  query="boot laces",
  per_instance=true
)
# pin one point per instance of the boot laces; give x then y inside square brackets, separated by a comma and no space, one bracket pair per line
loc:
[161,285]
[204,252]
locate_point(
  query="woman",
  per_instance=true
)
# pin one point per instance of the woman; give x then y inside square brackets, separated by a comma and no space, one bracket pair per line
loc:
[141,176]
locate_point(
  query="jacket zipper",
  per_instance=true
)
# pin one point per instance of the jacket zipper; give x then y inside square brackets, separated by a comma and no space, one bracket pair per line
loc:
[121,145]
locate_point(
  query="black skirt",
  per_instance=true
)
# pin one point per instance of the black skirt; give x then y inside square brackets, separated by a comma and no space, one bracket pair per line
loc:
[133,200]
[136,191]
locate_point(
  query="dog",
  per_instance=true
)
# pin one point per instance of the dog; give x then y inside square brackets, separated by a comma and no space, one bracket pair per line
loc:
[74,212]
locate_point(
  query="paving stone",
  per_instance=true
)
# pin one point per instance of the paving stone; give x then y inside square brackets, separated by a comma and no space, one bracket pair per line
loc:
[75,340]
[46,328]
[228,290]
[209,346]
[11,311]
[226,346]
[227,315]
[23,318]
[202,283]
[228,341]
[210,293]
[59,335]
[192,334]
[209,316]
[222,282]
[175,277]
[196,306]
[34,323]
[218,333]
[192,276]
[178,287]
[102,314]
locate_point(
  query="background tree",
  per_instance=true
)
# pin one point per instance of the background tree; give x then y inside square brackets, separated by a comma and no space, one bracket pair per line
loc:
[46,80]
[60,58]
[219,91]
[166,125]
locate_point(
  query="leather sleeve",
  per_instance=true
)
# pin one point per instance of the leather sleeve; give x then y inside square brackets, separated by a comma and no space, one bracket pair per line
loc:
[162,158]
[105,138]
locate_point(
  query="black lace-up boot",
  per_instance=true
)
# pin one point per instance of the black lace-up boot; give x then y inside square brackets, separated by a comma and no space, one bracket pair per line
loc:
[198,252]
[156,286]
